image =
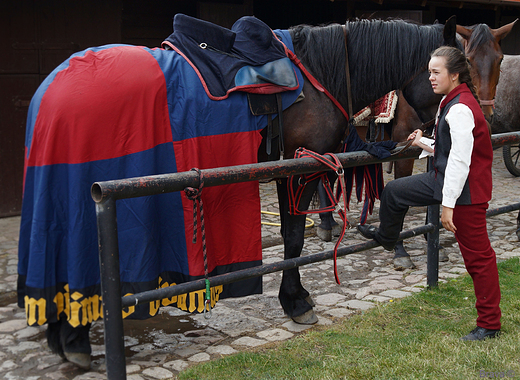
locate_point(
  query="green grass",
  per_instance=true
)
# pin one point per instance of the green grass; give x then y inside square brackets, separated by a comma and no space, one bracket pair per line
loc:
[413,338]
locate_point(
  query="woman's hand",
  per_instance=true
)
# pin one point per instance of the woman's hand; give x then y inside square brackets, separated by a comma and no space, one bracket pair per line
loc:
[415,136]
[447,219]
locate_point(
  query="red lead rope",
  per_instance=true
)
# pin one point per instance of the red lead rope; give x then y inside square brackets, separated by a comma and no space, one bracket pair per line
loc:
[296,192]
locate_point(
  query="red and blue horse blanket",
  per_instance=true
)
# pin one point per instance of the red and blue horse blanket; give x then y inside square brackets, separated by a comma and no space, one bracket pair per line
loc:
[120,111]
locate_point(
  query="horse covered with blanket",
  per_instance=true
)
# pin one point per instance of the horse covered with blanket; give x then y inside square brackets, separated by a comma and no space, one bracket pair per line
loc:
[120,111]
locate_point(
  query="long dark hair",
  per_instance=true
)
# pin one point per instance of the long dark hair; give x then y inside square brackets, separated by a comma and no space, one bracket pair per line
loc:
[456,63]
[383,55]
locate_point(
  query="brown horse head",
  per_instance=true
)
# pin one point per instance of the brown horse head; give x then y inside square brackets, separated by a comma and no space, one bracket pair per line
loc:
[485,55]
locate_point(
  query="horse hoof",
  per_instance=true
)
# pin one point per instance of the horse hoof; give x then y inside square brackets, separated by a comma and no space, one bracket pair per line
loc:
[310,301]
[337,229]
[325,235]
[81,360]
[307,318]
[518,234]
[402,263]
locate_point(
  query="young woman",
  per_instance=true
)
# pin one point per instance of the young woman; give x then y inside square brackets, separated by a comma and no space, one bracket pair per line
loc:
[460,181]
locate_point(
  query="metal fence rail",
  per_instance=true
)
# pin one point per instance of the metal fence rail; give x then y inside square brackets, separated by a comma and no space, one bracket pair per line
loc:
[105,194]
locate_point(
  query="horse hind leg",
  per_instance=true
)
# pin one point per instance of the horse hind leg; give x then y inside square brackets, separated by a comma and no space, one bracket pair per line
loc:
[294,298]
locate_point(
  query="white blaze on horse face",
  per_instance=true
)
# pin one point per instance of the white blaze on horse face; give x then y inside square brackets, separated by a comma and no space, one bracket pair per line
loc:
[441,80]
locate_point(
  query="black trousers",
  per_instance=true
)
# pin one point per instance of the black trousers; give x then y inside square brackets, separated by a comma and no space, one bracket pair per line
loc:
[470,220]
[397,197]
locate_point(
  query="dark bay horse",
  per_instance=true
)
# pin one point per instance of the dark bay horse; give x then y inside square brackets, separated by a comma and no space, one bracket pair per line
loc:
[402,44]
[383,55]
[481,46]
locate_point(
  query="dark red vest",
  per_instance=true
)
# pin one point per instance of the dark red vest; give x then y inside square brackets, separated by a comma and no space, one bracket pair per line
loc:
[478,186]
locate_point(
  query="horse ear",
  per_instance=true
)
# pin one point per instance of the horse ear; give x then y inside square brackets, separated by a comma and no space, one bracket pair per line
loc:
[450,31]
[503,30]
[464,32]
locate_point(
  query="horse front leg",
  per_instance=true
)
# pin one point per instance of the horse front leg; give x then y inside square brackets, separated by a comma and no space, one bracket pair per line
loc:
[295,300]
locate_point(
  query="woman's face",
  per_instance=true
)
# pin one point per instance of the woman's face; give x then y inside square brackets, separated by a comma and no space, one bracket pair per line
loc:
[441,80]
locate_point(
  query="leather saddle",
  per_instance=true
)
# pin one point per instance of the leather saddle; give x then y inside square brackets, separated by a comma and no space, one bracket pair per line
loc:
[248,58]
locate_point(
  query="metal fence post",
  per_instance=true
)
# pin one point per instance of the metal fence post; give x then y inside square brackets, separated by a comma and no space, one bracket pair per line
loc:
[432,256]
[432,253]
[111,289]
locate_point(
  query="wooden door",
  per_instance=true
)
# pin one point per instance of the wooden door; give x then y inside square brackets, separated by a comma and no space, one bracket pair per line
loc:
[36,37]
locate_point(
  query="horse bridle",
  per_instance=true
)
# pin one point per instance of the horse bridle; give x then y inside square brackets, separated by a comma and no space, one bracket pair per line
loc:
[488,102]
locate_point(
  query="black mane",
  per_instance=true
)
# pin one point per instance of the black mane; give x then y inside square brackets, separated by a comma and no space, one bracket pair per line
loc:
[383,55]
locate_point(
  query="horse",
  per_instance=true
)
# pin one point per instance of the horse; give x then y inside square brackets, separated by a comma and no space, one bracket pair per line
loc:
[506,117]
[481,46]
[121,138]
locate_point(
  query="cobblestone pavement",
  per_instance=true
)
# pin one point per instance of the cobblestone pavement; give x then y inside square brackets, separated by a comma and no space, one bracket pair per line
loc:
[160,347]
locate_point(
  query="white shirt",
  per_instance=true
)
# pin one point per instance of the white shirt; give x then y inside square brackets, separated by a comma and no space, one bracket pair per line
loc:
[461,122]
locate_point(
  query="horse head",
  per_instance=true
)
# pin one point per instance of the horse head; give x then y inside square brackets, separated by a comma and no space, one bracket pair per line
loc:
[482,49]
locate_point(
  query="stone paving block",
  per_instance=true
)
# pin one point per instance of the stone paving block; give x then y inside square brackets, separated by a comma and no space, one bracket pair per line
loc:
[221,350]
[132,368]
[134,377]
[339,312]
[413,278]
[323,321]
[330,299]
[24,346]
[412,289]
[91,376]
[295,327]
[249,342]
[176,365]
[28,332]
[363,292]
[13,325]
[357,304]
[8,365]
[200,357]
[376,298]
[380,285]
[158,373]
[275,334]
[395,293]
[188,351]
[6,340]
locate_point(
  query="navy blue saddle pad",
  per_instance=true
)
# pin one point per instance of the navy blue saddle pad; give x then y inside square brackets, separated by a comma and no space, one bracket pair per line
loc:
[246,58]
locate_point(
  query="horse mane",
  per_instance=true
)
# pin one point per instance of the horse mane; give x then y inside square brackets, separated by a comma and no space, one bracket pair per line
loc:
[383,55]
[480,36]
